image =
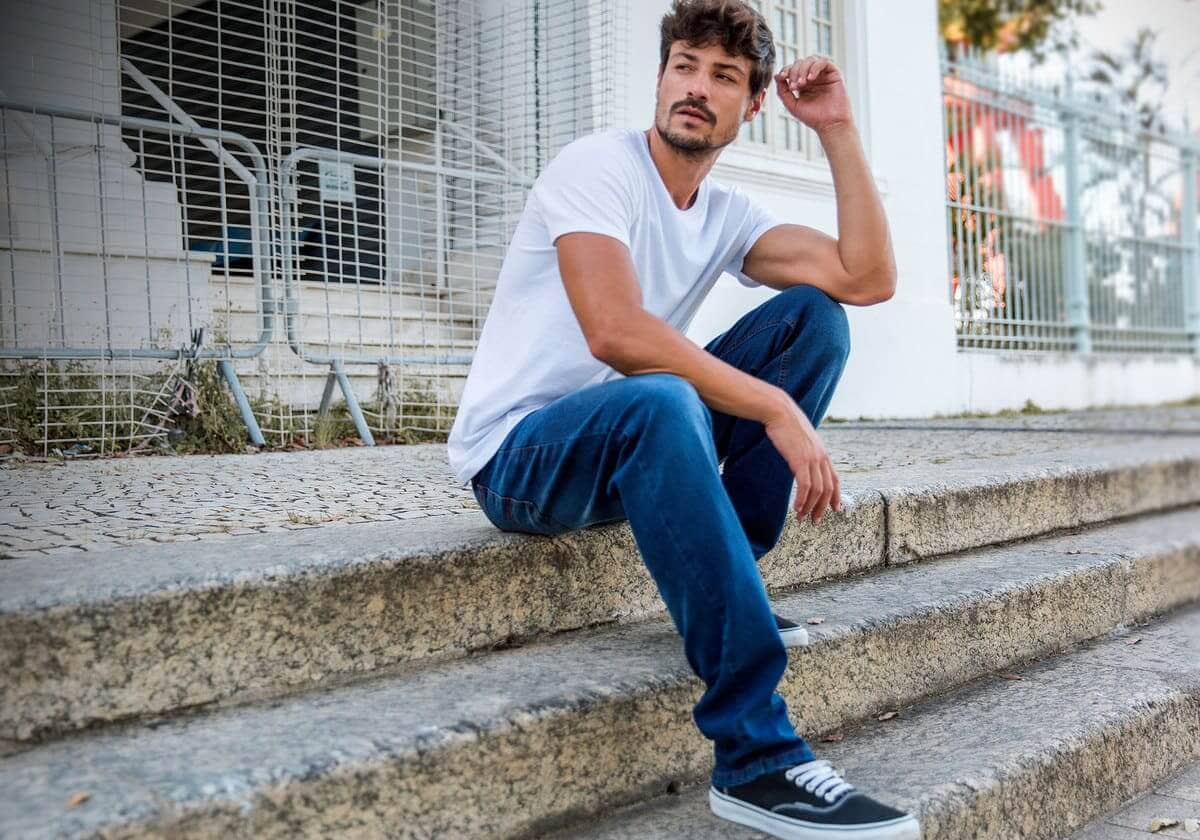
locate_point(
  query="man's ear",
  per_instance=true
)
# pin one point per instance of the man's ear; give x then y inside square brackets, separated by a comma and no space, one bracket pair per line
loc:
[756,103]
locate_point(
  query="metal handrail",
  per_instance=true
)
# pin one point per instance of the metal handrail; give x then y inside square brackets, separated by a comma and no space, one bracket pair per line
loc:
[257,185]
[257,182]
[290,260]
[488,152]
[184,118]
[290,243]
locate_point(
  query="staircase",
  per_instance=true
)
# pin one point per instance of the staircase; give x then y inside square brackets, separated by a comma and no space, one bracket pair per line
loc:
[1032,622]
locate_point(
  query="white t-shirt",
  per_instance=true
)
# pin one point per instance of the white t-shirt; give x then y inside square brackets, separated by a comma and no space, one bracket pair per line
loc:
[531,349]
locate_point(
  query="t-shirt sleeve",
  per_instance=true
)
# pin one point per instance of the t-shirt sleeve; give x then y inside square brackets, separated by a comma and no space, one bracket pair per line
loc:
[588,188]
[756,221]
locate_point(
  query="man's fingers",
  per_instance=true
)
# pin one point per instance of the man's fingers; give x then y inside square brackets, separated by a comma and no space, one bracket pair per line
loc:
[805,70]
[823,498]
[837,490]
[802,485]
[792,74]
[815,488]
[798,72]
[828,496]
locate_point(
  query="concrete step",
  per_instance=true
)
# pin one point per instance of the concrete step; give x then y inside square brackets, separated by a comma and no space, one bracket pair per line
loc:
[1032,758]
[1176,798]
[150,629]
[520,740]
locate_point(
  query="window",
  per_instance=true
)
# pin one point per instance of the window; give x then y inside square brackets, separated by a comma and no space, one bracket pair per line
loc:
[801,28]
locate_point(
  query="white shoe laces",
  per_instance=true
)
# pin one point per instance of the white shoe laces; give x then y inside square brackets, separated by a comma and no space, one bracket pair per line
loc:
[818,777]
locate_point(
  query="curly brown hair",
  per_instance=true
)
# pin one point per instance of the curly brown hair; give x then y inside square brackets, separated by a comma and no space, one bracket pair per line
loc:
[735,25]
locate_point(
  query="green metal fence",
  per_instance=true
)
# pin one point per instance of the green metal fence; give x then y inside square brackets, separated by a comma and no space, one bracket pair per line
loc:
[1071,227]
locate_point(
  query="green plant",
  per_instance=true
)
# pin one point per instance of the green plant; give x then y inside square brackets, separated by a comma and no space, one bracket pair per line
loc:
[217,426]
[52,404]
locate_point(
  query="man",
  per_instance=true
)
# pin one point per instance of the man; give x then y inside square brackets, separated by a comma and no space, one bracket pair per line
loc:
[586,404]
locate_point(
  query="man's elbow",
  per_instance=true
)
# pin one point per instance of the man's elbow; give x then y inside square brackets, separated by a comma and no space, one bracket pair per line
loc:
[878,288]
[604,345]
[623,347]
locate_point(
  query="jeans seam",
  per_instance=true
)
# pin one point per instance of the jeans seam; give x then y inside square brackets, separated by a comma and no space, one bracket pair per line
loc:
[788,758]
[783,360]
[550,442]
[529,502]
[769,326]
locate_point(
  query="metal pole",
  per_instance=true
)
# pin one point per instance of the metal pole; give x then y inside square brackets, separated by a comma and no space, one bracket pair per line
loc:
[1075,262]
[1191,252]
[360,422]
[239,396]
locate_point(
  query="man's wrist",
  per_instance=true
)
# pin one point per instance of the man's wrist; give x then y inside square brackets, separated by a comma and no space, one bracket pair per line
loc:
[778,404]
[832,132]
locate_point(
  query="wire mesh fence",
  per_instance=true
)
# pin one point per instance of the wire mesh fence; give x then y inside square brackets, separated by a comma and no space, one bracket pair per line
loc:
[398,140]
[1070,228]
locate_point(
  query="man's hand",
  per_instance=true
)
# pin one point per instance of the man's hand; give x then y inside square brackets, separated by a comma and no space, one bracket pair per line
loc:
[812,91]
[817,485]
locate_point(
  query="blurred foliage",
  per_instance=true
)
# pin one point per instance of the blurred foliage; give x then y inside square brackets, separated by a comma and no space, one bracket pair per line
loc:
[1012,25]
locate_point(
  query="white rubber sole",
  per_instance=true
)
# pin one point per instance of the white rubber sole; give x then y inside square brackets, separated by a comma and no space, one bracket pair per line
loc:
[789,828]
[795,637]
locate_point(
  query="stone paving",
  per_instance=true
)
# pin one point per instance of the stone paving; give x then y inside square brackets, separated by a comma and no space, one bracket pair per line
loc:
[1176,800]
[53,506]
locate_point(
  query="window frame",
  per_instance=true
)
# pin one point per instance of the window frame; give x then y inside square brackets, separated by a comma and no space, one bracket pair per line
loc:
[849,50]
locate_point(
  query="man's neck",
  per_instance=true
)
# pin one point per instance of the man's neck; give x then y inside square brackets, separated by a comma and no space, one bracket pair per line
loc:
[681,173]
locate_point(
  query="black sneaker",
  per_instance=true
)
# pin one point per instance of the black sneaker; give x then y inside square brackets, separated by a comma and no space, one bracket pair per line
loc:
[793,634]
[811,801]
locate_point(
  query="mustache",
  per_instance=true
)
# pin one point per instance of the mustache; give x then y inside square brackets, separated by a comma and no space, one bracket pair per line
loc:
[694,106]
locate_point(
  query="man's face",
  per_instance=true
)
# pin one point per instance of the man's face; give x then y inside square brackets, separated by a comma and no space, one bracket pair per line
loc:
[703,97]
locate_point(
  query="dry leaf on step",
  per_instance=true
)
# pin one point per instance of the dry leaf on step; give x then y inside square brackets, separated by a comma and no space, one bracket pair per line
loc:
[1159,823]
[816,620]
[78,799]
[1134,641]
[1010,676]
[833,738]
[888,715]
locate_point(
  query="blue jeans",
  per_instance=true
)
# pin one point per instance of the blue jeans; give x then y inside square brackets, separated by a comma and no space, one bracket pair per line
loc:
[646,448]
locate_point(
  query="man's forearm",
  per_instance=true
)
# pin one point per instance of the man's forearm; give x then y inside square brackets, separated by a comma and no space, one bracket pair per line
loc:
[864,242]
[650,345]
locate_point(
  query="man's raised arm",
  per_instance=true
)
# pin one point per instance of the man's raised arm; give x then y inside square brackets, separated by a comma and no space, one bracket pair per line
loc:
[859,267]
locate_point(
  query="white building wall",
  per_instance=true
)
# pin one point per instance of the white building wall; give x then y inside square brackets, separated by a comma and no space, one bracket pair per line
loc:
[904,360]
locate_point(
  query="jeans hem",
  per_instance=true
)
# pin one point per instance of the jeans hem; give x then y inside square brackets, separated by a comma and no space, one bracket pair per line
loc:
[733,778]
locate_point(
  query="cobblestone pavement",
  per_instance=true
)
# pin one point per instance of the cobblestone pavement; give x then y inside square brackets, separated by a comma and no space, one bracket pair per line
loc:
[1176,799]
[54,506]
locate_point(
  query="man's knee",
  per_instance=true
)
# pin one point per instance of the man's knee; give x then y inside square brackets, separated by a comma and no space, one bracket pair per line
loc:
[667,404]
[665,392]
[822,320]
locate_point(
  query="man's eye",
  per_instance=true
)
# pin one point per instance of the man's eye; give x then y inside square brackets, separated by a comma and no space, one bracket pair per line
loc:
[726,78]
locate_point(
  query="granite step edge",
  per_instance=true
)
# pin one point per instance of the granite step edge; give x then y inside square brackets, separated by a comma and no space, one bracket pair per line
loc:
[975,763]
[144,632]
[986,503]
[584,723]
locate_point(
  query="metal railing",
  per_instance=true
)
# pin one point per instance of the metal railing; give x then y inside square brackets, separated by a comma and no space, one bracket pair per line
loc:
[1071,228]
[94,235]
[382,273]
[357,274]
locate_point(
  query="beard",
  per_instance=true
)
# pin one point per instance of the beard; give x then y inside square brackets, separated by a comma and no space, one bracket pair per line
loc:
[689,144]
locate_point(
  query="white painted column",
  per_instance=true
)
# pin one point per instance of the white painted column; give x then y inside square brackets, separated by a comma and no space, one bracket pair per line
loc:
[903,357]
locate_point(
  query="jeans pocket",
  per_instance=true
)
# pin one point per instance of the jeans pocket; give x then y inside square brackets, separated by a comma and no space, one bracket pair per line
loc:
[509,514]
